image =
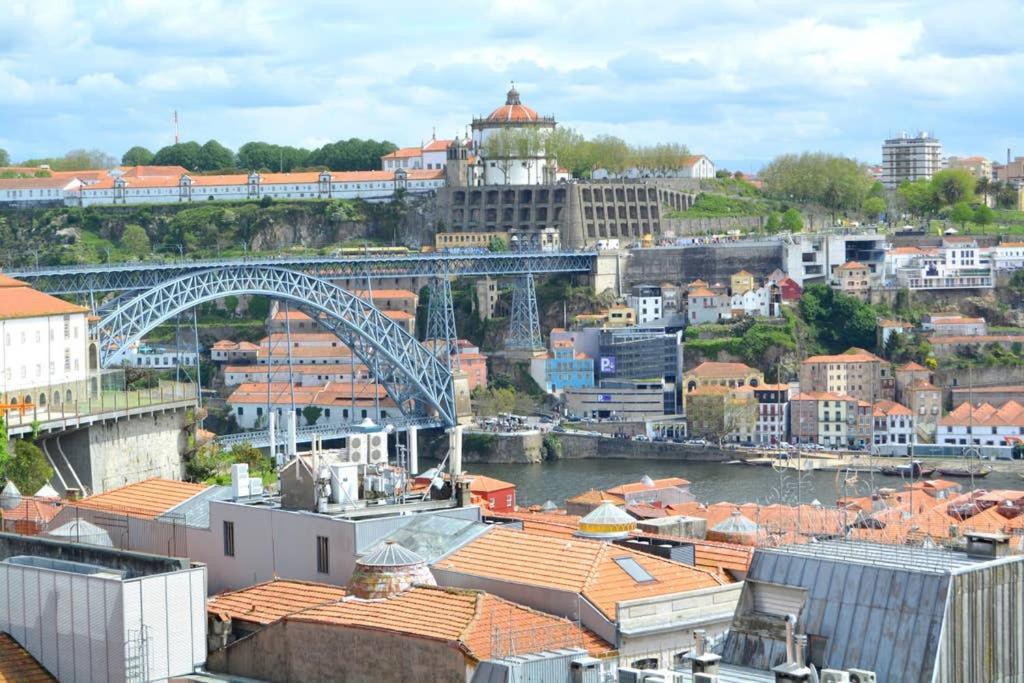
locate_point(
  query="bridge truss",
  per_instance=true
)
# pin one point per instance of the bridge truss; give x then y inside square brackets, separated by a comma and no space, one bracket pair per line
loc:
[412,376]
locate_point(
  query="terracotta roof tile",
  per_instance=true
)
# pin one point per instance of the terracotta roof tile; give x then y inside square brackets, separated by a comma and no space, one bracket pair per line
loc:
[150,498]
[579,565]
[595,497]
[464,619]
[714,369]
[18,666]
[272,600]
[24,302]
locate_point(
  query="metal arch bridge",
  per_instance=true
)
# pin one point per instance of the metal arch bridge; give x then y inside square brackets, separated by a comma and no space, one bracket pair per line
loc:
[408,371]
[146,275]
[261,438]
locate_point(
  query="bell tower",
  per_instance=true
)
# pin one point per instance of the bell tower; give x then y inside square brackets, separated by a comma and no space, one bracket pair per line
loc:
[456,169]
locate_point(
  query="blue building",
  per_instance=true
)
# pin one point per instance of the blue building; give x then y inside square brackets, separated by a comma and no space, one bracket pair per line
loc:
[566,369]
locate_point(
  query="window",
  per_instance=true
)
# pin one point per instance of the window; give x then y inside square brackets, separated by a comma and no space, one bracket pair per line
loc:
[633,568]
[229,539]
[323,565]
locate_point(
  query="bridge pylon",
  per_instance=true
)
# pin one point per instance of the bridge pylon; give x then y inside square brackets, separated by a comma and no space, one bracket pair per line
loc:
[524,321]
[441,322]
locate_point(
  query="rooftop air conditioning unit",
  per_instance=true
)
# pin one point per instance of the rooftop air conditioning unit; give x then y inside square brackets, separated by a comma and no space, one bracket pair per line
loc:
[705,678]
[378,449]
[630,675]
[357,449]
[834,676]
[585,670]
[862,676]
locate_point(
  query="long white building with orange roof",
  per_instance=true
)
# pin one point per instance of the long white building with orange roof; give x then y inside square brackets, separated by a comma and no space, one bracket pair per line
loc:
[142,189]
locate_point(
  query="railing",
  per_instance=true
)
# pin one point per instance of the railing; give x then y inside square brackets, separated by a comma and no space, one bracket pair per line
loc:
[107,399]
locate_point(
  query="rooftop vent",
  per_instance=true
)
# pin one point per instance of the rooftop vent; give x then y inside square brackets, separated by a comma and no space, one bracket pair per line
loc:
[986,546]
[606,522]
[387,570]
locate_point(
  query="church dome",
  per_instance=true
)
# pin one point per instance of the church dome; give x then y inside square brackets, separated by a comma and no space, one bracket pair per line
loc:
[513,110]
[388,570]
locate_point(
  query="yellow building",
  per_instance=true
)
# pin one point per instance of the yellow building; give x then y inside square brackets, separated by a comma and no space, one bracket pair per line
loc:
[621,316]
[853,278]
[728,375]
[462,240]
[742,282]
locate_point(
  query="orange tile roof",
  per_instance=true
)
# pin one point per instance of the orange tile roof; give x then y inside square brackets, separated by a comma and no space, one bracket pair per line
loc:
[851,355]
[8,281]
[150,498]
[1011,414]
[32,509]
[332,393]
[714,556]
[716,370]
[464,619]
[404,153]
[886,407]
[21,301]
[911,366]
[33,183]
[635,487]
[480,484]
[18,666]
[580,566]
[153,171]
[700,291]
[385,294]
[709,390]
[976,339]
[272,600]
[437,145]
[595,497]
[851,265]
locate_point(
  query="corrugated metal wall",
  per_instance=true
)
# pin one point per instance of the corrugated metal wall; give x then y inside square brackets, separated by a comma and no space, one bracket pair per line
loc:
[167,612]
[983,638]
[71,623]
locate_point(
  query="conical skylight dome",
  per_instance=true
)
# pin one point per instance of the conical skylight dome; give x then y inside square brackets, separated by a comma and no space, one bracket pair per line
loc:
[47,491]
[606,522]
[647,481]
[10,497]
[736,523]
[387,570]
[81,531]
[549,506]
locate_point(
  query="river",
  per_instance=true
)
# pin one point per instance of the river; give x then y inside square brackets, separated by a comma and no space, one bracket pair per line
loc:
[709,482]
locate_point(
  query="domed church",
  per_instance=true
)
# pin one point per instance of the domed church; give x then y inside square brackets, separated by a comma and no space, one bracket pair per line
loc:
[509,146]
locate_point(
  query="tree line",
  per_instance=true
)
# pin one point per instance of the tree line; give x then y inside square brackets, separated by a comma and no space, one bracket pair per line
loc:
[580,155]
[955,193]
[839,184]
[353,154]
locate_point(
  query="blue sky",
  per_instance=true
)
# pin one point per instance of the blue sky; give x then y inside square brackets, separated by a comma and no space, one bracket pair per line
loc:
[736,79]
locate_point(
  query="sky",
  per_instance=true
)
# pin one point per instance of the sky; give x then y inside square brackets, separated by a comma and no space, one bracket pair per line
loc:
[738,80]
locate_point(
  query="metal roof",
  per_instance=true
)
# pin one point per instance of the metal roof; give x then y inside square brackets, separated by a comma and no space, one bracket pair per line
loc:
[877,607]
[195,512]
[432,537]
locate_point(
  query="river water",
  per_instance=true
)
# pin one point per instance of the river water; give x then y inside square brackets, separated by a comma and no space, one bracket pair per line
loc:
[709,482]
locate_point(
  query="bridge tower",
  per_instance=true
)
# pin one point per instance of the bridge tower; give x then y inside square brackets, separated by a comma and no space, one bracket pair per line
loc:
[441,322]
[524,325]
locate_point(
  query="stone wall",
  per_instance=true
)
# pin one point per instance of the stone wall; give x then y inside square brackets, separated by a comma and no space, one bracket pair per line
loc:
[116,452]
[578,446]
[484,447]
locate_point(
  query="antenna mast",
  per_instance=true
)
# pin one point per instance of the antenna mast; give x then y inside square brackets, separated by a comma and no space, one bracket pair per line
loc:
[175,119]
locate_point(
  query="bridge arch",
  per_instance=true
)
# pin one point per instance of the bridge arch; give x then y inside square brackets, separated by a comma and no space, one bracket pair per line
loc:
[407,370]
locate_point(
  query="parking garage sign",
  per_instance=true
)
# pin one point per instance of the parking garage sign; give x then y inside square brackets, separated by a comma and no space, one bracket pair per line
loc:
[607,365]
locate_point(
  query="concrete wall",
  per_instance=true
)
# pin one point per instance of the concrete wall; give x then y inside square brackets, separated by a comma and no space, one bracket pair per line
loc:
[113,453]
[297,652]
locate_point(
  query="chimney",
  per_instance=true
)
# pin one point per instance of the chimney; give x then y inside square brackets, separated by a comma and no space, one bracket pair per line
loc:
[794,669]
[72,494]
[983,546]
[702,661]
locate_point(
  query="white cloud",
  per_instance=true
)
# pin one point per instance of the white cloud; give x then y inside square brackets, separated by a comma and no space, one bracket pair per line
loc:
[736,78]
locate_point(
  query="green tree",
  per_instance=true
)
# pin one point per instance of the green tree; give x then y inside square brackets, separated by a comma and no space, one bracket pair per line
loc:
[135,241]
[5,158]
[353,154]
[214,156]
[567,146]
[961,213]
[28,468]
[186,154]
[874,207]
[137,156]
[837,321]
[953,185]
[919,197]
[76,160]
[312,414]
[773,224]
[497,245]
[837,183]
[792,221]
[983,215]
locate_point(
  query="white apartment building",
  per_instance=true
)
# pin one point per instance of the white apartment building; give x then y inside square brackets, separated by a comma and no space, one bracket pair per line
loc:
[907,158]
[958,264]
[305,375]
[755,302]
[893,424]
[982,425]
[1008,256]
[46,356]
[647,302]
[432,155]
[369,185]
[144,356]
[339,403]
